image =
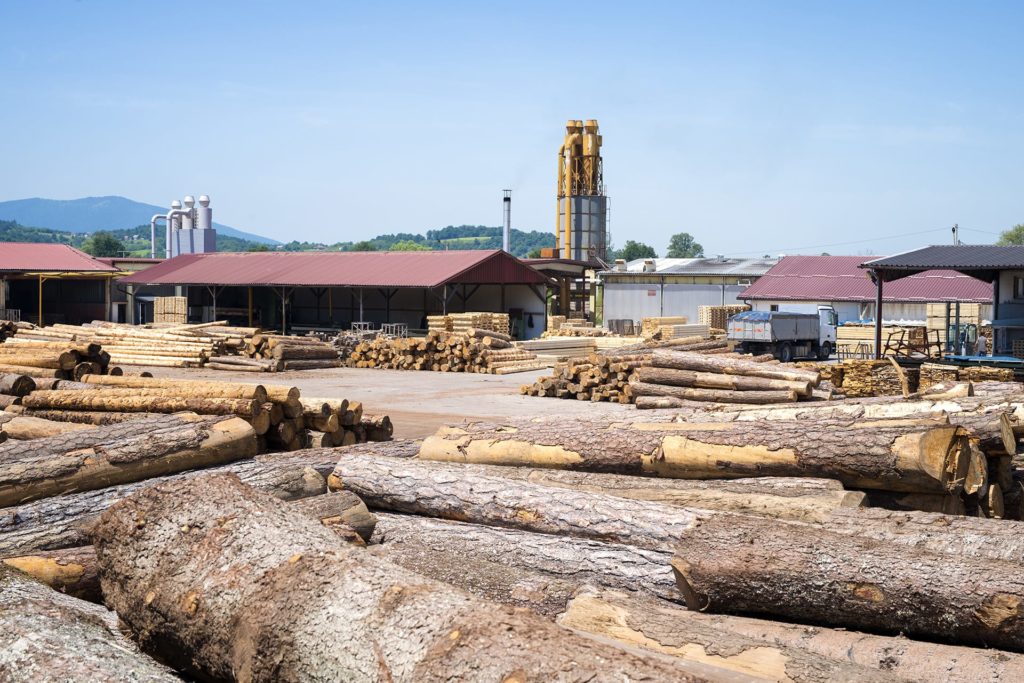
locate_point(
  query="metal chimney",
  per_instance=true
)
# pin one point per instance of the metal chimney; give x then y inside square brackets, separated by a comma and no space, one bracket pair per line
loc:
[204,214]
[506,235]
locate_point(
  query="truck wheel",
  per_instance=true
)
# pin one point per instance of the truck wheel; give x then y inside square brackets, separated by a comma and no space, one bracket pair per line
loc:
[785,352]
[825,351]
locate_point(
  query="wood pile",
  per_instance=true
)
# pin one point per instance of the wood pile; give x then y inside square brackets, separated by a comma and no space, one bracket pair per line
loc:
[462,322]
[524,549]
[616,375]
[649,327]
[875,378]
[9,328]
[54,360]
[279,416]
[266,352]
[717,317]
[551,350]
[475,350]
[170,309]
[567,330]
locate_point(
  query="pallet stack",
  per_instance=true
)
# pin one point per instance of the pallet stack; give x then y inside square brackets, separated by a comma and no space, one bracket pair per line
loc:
[475,351]
[170,309]
[461,322]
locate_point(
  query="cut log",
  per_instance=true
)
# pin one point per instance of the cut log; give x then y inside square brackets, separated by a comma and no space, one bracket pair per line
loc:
[778,497]
[10,369]
[46,636]
[712,395]
[25,428]
[519,568]
[260,621]
[656,623]
[97,457]
[86,417]
[62,521]
[668,629]
[900,455]
[8,400]
[681,360]
[16,385]
[714,380]
[736,565]
[160,403]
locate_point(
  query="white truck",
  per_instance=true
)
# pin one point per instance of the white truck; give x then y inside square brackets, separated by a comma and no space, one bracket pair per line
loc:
[784,334]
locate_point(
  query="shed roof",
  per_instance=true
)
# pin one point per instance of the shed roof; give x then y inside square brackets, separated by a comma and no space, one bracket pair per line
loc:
[340,269]
[29,257]
[697,266]
[983,261]
[840,278]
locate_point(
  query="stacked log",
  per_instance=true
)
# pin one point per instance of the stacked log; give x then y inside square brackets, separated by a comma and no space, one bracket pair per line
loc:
[54,360]
[873,378]
[474,350]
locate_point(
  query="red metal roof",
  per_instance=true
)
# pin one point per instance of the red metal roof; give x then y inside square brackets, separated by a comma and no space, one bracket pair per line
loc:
[20,257]
[838,278]
[341,269]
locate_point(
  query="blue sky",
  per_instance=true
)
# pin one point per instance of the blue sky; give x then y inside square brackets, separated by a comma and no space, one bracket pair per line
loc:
[758,127]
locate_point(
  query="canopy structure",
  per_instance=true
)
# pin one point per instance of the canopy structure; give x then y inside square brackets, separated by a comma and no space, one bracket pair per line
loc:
[984,262]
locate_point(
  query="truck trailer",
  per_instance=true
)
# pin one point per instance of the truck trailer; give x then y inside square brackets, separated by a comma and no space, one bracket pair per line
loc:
[785,335]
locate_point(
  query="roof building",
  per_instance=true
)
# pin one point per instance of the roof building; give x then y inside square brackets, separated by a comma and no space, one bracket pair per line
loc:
[801,283]
[302,290]
[675,286]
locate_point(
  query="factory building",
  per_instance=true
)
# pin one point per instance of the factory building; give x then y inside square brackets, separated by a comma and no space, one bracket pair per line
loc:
[802,283]
[675,286]
[332,290]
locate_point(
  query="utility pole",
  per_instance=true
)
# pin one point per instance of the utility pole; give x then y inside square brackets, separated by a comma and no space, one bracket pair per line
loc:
[956,235]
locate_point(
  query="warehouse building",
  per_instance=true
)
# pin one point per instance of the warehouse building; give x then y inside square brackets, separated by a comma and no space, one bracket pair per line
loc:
[54,282]
[802,283]
[675,286]
[333,290]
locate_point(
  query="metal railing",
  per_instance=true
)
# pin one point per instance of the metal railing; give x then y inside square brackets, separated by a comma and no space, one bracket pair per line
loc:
[12,314]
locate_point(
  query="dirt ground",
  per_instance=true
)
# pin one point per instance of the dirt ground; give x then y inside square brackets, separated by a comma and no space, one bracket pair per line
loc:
[418,402]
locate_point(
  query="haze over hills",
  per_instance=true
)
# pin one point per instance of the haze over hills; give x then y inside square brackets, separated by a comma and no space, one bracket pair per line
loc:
[90,214]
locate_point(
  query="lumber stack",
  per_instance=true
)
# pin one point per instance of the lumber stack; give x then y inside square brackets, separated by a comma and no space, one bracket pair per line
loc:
[649,327]
[170,309]
[462,322]
[474,350]
[717,317]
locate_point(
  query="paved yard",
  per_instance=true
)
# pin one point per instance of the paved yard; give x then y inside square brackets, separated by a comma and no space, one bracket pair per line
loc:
[418,402]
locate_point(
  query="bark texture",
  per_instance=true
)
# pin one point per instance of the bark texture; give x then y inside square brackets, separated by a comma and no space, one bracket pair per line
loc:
[26,428]
[638,388]
[901,455]
[46,636]
[656,626]
[227,582]
[710,380]
[737,565]
[897,657]
[519,568]
[682,360]
[129,403]
[98,457]
[63,521]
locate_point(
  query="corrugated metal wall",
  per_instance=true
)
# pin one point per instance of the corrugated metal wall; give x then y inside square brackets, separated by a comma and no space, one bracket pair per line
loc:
[635,301]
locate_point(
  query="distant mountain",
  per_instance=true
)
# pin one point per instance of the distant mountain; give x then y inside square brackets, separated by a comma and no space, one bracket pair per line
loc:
[90,214]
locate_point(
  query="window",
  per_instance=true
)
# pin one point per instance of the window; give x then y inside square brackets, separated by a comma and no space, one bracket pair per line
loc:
[1018,288]
[774,307]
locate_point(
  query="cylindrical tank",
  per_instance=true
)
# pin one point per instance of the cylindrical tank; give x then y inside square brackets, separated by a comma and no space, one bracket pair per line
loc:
[187,221]
[204,214]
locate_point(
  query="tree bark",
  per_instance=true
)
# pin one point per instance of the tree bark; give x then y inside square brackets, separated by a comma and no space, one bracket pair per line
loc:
[900,658]
[131,401]
[654,625]
[270,617]
[736,565]
[86,417]
[681,360]
[909,455]
[712,395]
[63,521]
[98,457]
[778,497]
[519,568]
[945,503]
[25,428]
[75,571]
[46,636]
[714,380]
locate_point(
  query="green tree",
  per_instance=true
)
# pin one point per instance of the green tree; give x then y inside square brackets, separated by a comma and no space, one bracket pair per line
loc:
[363,245]
[103,244]
[534,253]
[1012,237]
[682,246]
[633,250]
[259,247]
[409,245]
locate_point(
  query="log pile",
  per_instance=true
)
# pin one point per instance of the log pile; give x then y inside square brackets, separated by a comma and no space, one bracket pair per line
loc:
[47,361]
[875,378]
[280,417]
[266,352]
[527,549]
[475,350]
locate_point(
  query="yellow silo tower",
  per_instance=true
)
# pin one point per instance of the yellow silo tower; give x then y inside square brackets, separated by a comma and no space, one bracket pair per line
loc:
[582,205]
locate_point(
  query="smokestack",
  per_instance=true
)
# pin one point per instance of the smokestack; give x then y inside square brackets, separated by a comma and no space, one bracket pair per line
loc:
[506,235]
